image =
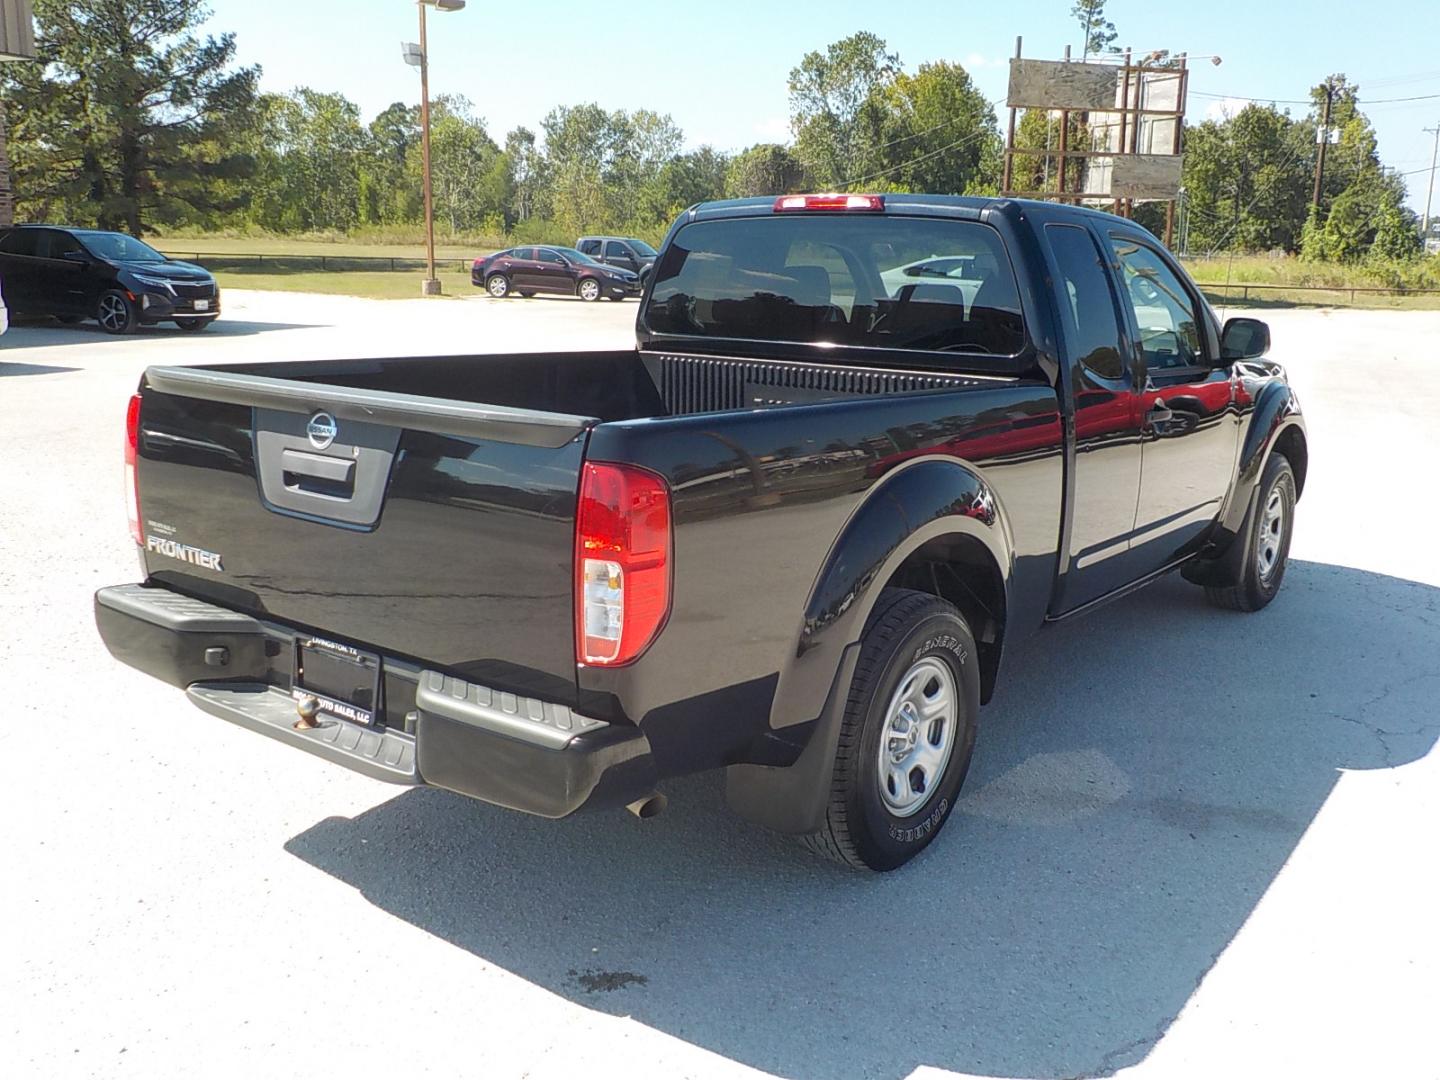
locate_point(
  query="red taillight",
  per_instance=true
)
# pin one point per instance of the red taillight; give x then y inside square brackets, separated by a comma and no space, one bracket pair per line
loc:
[835,201]
[132,488]
[622,563]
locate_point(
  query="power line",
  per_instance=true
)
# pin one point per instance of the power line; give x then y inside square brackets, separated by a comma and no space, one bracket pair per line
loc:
[925,157]
[1309,101]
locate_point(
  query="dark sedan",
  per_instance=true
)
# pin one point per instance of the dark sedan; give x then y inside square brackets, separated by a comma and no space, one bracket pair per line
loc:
[531,270]
[113,278]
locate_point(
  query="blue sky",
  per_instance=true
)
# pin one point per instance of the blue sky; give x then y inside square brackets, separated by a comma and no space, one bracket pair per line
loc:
[719,68]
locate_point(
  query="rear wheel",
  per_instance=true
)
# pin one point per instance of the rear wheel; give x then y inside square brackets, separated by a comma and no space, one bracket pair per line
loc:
[907,734]
[589,290]
[1267,542]
[115,313]
[526,293]
[498,286]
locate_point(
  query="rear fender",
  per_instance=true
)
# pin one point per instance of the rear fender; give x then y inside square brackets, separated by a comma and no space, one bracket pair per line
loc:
[926,500]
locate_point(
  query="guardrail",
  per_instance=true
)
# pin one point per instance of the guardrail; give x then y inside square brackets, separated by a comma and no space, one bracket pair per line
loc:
[248,260]
[1245,288]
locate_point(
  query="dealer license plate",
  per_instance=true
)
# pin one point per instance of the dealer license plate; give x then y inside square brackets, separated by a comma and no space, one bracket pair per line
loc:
[344,681]
[202,305]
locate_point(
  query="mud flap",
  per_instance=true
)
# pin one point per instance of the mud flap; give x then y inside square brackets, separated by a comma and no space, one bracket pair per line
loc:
[793,799]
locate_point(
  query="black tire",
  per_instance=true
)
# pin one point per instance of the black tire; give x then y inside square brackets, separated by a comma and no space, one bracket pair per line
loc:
[526,293]
[905,632]
[69,320]
[588,289]
[1258,584]
[498,286]
[193,326]
[116,313]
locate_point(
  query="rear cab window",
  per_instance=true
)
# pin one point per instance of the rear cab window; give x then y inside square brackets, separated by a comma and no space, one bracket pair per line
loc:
[871,281]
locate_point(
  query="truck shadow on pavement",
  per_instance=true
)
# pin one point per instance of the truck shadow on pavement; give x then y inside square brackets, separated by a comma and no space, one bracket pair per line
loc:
[1140,780]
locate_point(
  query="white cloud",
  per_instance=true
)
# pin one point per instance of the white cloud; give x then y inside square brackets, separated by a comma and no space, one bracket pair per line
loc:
[978,60]
[1225,108]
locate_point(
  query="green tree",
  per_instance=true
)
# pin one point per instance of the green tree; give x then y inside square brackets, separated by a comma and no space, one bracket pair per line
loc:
[469,177]
[1247,181]
[764,169]
[1098,34]
[683,181]
[528,174]
[834,111]
[389,181]
[938,133]
[308,155]
[129,116]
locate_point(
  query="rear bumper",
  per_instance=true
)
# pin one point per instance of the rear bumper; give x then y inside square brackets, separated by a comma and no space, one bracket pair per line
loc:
[522,753]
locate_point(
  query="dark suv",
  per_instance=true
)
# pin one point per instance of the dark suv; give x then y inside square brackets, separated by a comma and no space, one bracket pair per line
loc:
[111,277]
[626,252]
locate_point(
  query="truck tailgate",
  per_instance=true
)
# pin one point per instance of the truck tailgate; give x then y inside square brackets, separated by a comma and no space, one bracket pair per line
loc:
[435,529]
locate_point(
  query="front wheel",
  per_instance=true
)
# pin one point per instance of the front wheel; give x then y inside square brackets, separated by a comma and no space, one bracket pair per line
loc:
[906,736]
[116,314]
[193,326]
[1266,537]
[498,286]
[589,290]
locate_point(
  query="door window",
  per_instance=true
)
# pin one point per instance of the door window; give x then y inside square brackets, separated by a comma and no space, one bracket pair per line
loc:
[1087,307]
[590,247]
[20,242]
[616,250]
[550,258]
[1164,310]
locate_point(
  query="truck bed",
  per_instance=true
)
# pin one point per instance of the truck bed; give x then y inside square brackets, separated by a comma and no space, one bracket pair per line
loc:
[450,539]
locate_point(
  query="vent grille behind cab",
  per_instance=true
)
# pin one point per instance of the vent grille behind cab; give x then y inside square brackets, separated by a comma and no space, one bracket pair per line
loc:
[696,384]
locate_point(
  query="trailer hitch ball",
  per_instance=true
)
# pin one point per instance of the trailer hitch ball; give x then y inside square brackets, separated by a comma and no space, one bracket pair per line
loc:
[307,707]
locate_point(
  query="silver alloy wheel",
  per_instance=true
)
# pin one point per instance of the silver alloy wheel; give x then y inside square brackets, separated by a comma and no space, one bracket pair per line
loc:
[1271,535]
[918,737]
[498,286]
[114,315]
[589,289]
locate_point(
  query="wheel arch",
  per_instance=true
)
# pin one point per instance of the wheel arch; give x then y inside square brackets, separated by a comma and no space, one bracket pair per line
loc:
[911,526]
[906,531]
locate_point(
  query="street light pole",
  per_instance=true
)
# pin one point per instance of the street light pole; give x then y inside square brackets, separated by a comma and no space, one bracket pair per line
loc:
[419,56]
[431,285]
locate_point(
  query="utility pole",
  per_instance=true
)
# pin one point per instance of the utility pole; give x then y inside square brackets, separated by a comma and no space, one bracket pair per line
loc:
[1430,191]
[431,285]
[1324,137]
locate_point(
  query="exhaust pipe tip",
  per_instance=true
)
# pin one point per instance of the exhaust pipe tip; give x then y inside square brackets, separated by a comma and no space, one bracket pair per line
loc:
[648,807]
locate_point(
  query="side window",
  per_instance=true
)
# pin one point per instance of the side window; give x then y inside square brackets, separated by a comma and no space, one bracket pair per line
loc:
[547,256]
[615,250]
[20,242]
[590,247]
[1087,306]
[1164,312]
[63,244]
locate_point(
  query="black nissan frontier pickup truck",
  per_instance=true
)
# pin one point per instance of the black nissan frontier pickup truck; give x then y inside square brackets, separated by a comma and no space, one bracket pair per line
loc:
[864,445]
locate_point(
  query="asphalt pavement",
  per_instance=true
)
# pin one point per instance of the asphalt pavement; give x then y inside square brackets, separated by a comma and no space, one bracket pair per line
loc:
[1193,842]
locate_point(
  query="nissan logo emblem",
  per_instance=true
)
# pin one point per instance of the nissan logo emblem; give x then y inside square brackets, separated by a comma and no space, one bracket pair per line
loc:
[322,430]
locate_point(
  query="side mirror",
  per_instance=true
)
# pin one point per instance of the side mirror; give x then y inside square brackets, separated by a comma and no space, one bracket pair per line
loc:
[1244,339]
